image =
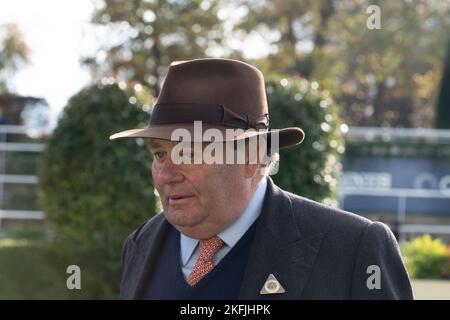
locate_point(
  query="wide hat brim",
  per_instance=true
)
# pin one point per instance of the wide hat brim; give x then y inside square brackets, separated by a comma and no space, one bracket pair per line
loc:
[287,136]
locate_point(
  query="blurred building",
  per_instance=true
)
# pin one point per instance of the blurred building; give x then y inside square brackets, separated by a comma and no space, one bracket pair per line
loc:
[400,177]
[22,121]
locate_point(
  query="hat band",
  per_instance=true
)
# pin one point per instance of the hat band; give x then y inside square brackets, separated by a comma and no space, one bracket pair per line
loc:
[171,113]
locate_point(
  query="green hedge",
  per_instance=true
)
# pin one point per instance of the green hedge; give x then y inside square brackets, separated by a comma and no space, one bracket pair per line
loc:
[427,258]
[312,168]
[96,191]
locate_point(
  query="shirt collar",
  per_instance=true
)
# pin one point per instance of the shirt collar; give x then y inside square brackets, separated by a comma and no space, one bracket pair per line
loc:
[236,230]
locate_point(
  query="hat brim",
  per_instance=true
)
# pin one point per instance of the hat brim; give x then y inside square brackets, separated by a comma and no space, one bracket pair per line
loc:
[287,136]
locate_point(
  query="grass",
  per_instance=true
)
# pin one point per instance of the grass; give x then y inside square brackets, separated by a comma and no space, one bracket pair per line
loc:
[29,267]
[30,272]
[32,267]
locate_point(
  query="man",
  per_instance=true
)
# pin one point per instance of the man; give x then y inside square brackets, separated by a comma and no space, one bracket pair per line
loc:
[227,231]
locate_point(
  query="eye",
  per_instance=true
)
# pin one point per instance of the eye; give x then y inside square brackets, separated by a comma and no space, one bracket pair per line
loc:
[159,155]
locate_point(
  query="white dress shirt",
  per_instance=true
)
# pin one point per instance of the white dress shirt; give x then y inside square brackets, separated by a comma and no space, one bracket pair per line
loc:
[230,236]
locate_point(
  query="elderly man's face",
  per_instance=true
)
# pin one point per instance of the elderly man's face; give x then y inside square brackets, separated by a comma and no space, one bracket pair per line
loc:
[200,200]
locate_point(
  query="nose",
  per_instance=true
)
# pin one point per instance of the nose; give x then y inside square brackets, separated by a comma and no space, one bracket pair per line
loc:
[167,172]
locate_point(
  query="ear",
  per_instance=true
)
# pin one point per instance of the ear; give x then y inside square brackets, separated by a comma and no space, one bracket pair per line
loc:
[252,161]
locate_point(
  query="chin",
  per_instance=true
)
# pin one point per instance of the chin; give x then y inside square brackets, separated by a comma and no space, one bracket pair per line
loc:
[183,218]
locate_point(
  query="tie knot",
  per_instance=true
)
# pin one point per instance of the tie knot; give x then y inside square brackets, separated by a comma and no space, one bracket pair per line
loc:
[209,248]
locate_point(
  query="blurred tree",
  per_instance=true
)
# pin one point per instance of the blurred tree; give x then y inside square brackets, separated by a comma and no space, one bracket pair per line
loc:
[389,76]
[386,76]
[296,30]
[143,37]
[14,53]
[15,109]
[443,108]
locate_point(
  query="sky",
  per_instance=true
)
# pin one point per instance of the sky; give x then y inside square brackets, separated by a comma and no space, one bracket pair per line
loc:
[57,33]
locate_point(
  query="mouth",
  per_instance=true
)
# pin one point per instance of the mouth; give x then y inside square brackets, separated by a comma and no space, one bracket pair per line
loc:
[179,199]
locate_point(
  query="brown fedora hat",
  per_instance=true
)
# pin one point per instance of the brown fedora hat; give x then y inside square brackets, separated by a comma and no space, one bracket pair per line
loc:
[221,93]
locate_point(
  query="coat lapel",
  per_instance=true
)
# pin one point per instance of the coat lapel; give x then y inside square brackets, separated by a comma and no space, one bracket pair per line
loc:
[144,252]
[279,248]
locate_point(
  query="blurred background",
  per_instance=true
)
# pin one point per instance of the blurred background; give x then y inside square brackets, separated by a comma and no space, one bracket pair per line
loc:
[368,81]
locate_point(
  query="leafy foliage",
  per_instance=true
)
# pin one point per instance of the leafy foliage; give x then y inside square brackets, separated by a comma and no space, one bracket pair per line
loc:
[443,108]
[145,36]
[426,257]
[388,76]
[96,191]
[14,53]
[310,169]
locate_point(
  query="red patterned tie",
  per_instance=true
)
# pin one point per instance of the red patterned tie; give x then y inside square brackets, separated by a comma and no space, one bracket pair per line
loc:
[204,263]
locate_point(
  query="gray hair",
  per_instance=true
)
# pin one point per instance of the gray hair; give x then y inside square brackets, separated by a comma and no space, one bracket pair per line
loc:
[271,167]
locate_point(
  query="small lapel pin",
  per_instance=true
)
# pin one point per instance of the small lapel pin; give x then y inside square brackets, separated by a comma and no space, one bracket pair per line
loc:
[272,286]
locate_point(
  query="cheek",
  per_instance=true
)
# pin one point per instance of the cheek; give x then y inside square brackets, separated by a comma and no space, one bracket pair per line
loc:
[155,177]
[216,184]
[205,183]
[231,184]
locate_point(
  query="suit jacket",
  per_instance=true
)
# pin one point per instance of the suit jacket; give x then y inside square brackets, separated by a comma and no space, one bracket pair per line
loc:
[314,251]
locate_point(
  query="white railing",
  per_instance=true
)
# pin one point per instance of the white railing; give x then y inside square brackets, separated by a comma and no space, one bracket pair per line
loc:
[21,214]
[14,129]
[6,178]
[14,178]
[23,147]
[402,195]
[424,228]
[370,133]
